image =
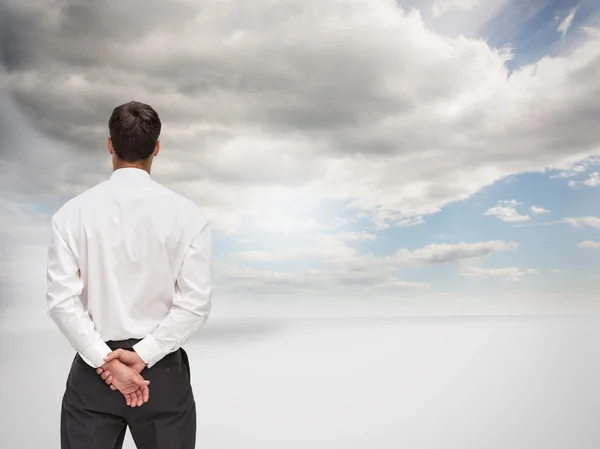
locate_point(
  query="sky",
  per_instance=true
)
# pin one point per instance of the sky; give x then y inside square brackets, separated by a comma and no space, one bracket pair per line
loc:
[354,157]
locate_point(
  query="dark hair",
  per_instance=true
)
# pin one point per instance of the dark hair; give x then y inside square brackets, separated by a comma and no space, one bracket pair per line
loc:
[134,129]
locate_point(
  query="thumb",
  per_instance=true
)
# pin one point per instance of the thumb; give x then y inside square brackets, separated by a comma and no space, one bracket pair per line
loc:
[113,355]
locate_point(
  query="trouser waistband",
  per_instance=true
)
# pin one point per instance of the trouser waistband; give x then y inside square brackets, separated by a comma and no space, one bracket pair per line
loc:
[123,344]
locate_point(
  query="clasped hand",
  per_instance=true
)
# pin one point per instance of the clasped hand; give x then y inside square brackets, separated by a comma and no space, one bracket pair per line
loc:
[122,372]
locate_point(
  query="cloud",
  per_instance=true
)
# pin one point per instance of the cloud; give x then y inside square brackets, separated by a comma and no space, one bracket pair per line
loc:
[579,222]
[544,223]
[506,211]
[277,222]
[385,219]
[441,7]
[279,119]
[336,249]
[573,171]
[539,210]
[329,247]
[577,169]
[400,285]
[302,281]
[565,24]
[244,116]
[444,253]
[589,244]
[511,273]
[345,266]
[594,180]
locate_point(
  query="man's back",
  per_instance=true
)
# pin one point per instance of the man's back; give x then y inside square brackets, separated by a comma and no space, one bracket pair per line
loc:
[129,236]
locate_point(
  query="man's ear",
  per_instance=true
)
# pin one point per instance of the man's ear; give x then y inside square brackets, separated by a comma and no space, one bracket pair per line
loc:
[157,148]
[109,145]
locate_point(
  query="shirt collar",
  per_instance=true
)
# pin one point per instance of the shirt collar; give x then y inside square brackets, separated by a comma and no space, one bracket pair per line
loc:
[130,173]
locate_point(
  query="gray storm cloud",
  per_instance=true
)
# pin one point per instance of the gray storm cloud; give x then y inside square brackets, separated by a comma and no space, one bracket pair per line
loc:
[282,106]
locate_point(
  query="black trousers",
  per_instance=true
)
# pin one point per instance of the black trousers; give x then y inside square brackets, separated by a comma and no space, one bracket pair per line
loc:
[95,417]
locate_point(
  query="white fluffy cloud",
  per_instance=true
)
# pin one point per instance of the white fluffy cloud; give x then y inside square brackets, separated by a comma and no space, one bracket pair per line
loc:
[443,253]
[579,222]
[578,170]
[539,210]
[589,244]
[566,23]
[593,180]
[506,211]
[510,273]
[575,170]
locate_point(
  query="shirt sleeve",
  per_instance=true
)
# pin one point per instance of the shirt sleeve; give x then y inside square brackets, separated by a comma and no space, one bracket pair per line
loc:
[191,303]
[64,287]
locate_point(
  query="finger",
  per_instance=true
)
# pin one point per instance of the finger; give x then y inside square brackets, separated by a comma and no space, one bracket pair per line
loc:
[112,387]
[128,399]
[113,355]
[139,400]
[99,370]
[104,375]
[133,399]
[145,393]
[109,381]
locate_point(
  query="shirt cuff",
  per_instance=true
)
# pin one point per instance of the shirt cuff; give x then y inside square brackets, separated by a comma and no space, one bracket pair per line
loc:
[149,350]
[94,354]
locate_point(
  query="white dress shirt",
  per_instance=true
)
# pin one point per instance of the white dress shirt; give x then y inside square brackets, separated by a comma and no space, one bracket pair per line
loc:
[129,258]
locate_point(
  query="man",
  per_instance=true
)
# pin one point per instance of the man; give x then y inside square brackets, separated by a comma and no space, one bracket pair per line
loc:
[129,282]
